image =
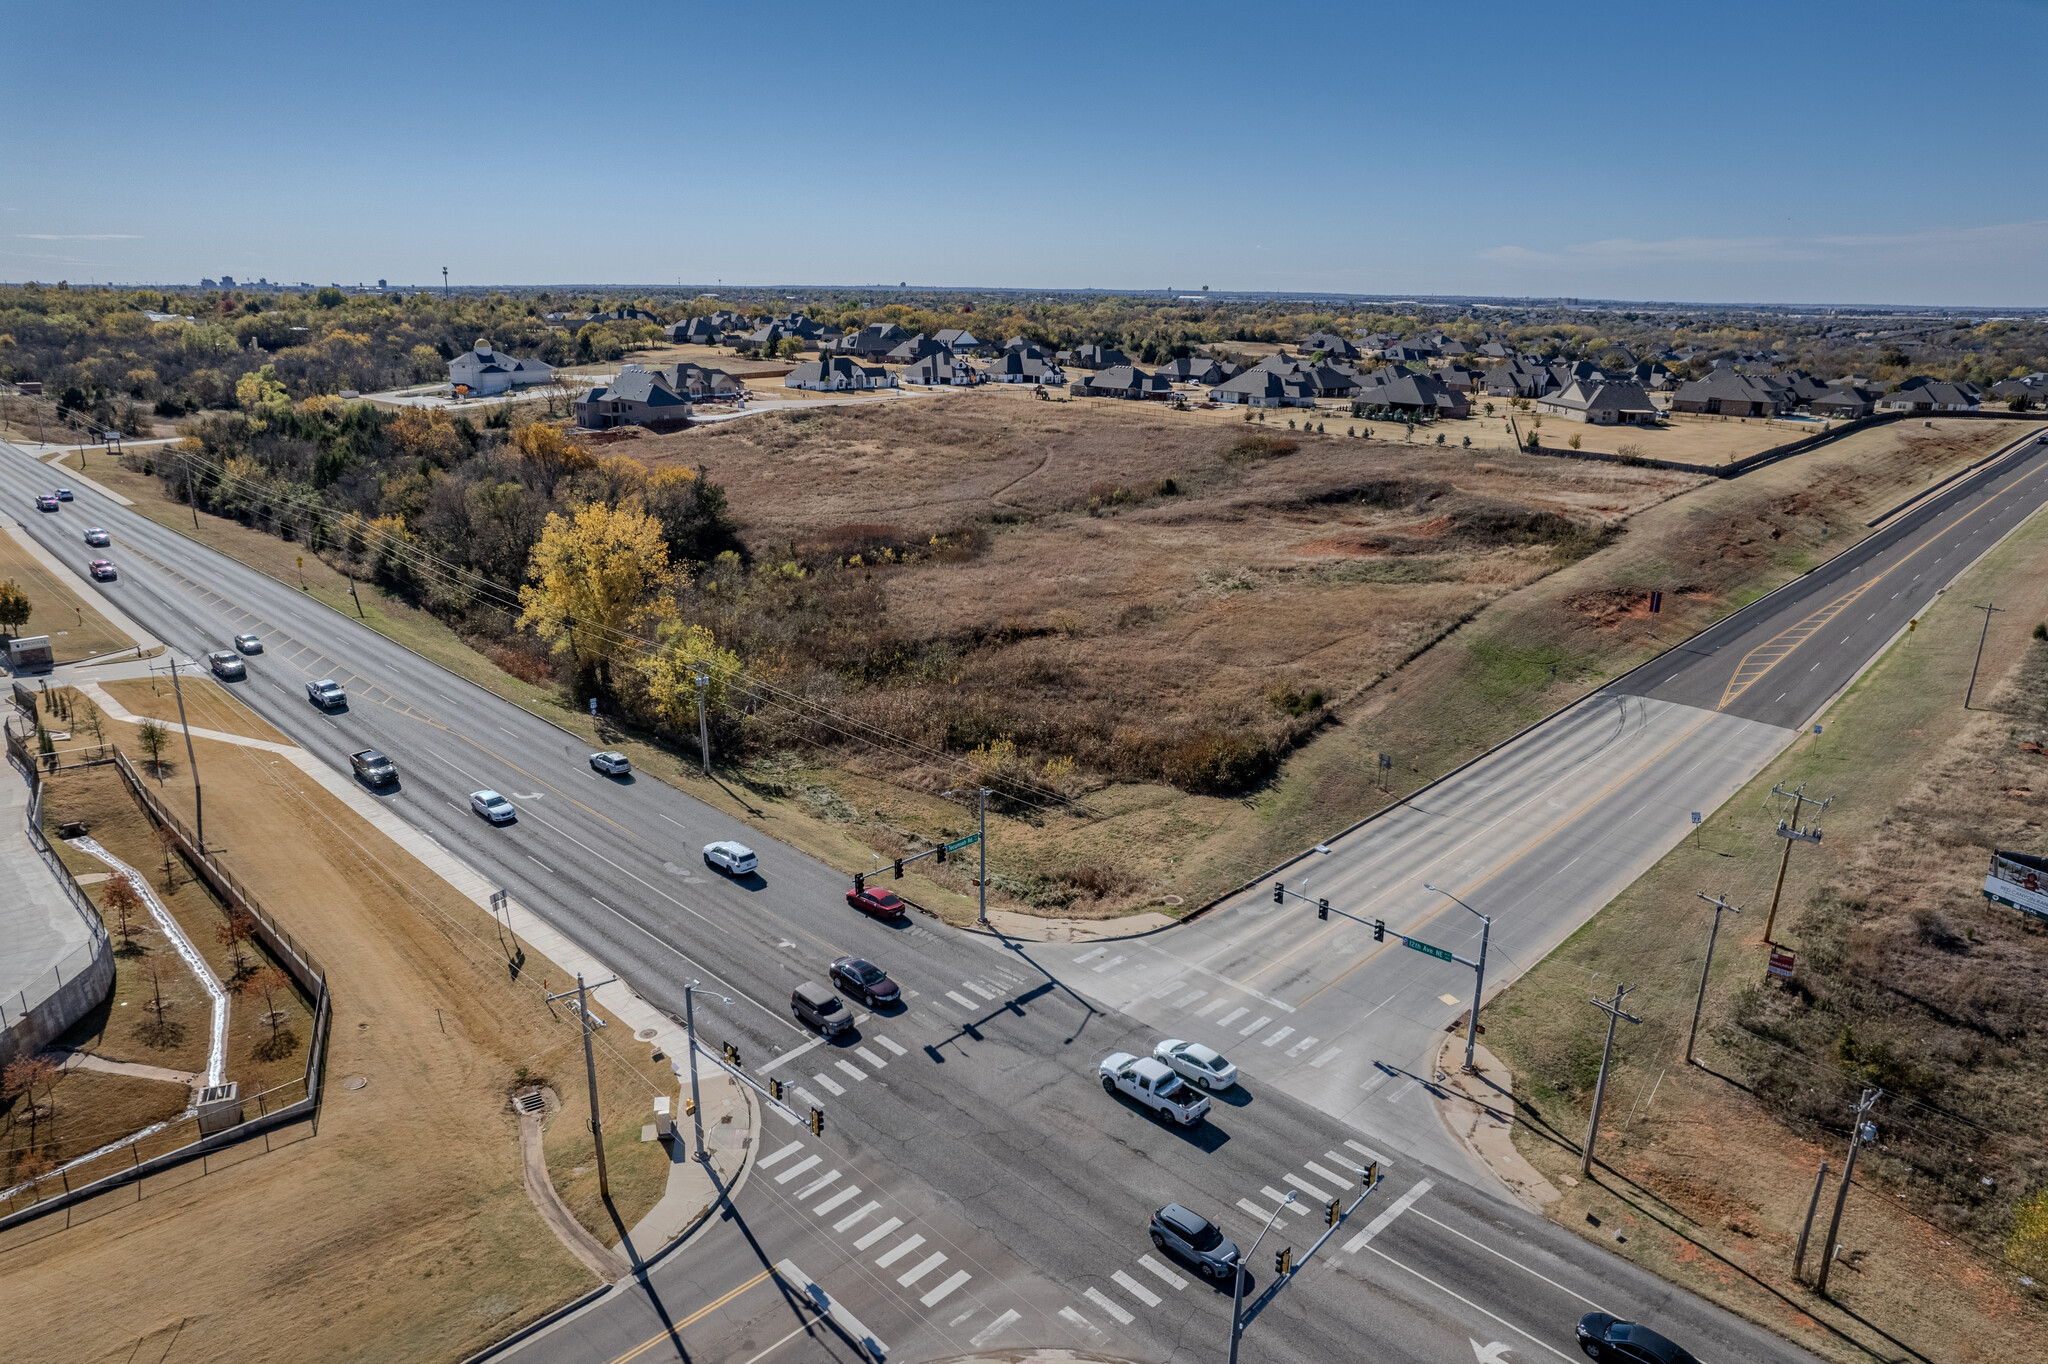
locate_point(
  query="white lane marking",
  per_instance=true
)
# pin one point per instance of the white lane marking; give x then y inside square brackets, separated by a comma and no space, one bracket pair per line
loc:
[945,1289]
[1161,1272]
[1311,1190]
[864,1054]
[899,1250]
[1297,1207]
[962,1000]
[1232,1016]
[780,1343]
[921,1268]
[993,1329]
[893,1048]
[1069,1314]
[793,1171]
[1386,1219]
[503,730]
[1248,1029]
[542,865]
[1107,1304]
[1212,1006]
[1325,1058]
[857,1215]
[1188,999]
[788,1150]
[1330,1175]
[980,989]
[1136,1289]
[815,1185]
[1279,1035]
[828,1084]
[1113,961]
[1516,1263]
[1469,1303]
[878,1233]
[1303,1045]
[1365,1151]
[1091,956]
[845,1195]
[790,1055]
[851,1069]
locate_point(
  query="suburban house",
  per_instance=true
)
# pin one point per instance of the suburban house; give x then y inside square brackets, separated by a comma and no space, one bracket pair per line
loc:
[1930,395]
[693,331]
[1198,369]
[1099,357]
[483,370]
[940,367]
[1265,388]
[637,397]
[2031,388]
[1122,381]
[960,341]
[575,324]
[1394,390]
[1332,346]
[873,341]
[1517,379]
[1602,404]
[700,384]
[1729,393]
[1375,343]
[1494,350]
[837,373]
[915,349]
[1843,401]
[1461,377]
[761,340]
[1023,367]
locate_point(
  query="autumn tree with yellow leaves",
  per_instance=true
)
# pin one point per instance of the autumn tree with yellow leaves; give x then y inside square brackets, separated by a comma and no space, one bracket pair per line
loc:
[594,577]
[670,672]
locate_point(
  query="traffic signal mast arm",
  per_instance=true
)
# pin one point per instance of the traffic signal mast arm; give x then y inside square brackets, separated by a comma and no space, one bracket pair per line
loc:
[939,850]
[1373,1181]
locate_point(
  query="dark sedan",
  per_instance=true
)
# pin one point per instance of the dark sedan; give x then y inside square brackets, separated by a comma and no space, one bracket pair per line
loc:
[1603,1336]
[865,981]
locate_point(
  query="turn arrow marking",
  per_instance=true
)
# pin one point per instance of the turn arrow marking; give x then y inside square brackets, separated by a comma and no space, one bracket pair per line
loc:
[1490,1354]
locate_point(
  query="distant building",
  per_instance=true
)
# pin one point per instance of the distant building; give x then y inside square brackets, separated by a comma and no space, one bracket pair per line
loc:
[1728,393]
[1099,357]
[483,370]
[1332,346]
[1265,388]
[637,397]
[940,368]
[1020,367]
[1198,369]
[1602,404]
[1122,381]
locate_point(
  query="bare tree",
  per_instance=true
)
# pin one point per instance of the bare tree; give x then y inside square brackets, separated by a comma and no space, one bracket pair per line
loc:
[121,897]
[276,988]
[154,739]
[23,1077]
[167,841]
[91,719]
[233,933]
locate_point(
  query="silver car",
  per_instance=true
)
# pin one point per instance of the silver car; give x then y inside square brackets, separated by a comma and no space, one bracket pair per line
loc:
[492,806]
[1191,1237]
[249,644]
[1197,1064]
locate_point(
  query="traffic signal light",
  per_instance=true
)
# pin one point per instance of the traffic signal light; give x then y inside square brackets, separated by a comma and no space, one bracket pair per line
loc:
[1322,909]
[1283,1260]
[1379,930]
[817,1122]
[1330,1213]
[1279,892]
[732,1055]
[860,882]
[775,1090]
[941,856]
[1372,1173]
[899,869]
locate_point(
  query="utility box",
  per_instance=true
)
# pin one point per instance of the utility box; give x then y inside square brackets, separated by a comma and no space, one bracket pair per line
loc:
[664,1120]
[29,654]
[220,1107]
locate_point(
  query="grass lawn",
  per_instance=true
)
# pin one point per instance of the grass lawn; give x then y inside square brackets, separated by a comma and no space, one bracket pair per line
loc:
[208,705]
[1908,980]
[87,634]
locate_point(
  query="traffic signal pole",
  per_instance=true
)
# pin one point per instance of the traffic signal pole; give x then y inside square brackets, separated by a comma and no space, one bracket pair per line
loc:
[1370,1179]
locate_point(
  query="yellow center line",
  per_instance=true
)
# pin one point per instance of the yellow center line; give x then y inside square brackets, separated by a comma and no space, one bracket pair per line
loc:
[694,1317]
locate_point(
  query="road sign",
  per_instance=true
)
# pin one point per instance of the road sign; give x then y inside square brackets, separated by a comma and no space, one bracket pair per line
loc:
[1386,760]
[1782,963]
[957,844]
[1439,953]
[1695,816]
[1816,731]
[1656,602]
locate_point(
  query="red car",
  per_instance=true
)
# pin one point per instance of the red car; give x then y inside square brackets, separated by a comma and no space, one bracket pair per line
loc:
[877,904]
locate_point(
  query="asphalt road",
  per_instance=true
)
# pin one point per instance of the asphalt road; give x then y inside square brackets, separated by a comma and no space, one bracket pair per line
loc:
[973,1119]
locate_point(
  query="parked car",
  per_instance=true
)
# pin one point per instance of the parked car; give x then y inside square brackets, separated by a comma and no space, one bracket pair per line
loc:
[326,693]
[820,1008]
[877,903]
[492,806]
[249,644]
[373,767]
[1200,1065]
[45,502]
[63,494]
[611,764]
[98,538]
[103,570]
[734,859]
[1603,1336]
[1152,1083]
[865,981]
[226,664]
[1194,1239]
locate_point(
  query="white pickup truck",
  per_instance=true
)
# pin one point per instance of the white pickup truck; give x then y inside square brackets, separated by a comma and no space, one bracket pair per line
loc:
[1152,1083]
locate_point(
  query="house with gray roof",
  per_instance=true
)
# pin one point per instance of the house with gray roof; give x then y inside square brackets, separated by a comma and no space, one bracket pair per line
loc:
[1394,390]
[838,373]
[915,349]
[1930,395]
[1198,369]
[1261,387]
[1122,381]
[960,341]
[873,341]
[1602,404]
[1728,393]
[483,370]
[1333,346]
[637,397]
[1844,402]
[939,368]
[1517,378]
[1099,357]
[701,384]
[1022,367]
[693,331]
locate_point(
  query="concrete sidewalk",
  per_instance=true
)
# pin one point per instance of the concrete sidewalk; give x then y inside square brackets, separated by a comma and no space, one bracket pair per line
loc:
[39,926]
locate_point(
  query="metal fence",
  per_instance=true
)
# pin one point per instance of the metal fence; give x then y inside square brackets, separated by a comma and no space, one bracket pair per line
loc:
[135,1158]
[15,1007]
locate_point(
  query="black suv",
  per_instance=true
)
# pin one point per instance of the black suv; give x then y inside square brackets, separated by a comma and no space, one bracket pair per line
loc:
[1194,1238]
[1603,1336]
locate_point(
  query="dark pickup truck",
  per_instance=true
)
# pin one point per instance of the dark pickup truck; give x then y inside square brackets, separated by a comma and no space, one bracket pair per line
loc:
[373,767]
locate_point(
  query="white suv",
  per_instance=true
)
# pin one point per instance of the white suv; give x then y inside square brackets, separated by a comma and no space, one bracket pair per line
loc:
[734,859]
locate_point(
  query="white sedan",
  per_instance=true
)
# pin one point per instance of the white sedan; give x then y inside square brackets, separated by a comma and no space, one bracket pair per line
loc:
[492,806]
[1202,1065]
[734,859]
[611,764]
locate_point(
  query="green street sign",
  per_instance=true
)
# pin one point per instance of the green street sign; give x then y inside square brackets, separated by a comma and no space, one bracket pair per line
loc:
[957,844]
[1427,950]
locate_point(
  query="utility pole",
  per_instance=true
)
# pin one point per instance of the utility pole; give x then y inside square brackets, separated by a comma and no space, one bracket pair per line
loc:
[1987,608]
[444,282]
[198,799]
[604,1182]
[703,727]
[1790,831]
[1856,1128]
[191,493]
[1719,902]
[1614,1016]
[981,846]
[1806,1230]
[1478,984]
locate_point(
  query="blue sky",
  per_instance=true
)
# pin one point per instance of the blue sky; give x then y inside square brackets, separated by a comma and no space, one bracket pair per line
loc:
[1807,152]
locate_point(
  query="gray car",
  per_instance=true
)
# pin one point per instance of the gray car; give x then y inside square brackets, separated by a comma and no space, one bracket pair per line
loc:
[1191,1237]
[226,664]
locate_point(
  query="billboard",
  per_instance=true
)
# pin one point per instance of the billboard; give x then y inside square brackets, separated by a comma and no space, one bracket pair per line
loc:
[2019,880]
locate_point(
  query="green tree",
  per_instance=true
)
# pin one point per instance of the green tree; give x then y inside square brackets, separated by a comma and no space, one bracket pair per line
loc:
[328,298]
[262,392]
[692,512]
[670,672]
[15,607]
[154,739]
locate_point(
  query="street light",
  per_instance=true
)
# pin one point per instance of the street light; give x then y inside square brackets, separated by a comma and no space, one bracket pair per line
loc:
[982,794]
[1237,1286]
[690,1027]
[1479,986]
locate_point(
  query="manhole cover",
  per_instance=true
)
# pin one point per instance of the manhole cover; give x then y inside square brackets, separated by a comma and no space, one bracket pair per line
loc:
[647,1034]
[1171,900]
[355,1082]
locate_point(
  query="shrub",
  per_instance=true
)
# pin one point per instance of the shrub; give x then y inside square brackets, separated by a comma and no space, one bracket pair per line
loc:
[1259,445]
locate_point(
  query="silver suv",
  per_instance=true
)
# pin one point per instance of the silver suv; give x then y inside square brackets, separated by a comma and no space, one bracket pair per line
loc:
[1194,1238]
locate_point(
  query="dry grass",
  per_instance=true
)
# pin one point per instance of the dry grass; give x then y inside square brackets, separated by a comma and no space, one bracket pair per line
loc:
[88,634]
[1908,979]
[409,1233]
[208,705]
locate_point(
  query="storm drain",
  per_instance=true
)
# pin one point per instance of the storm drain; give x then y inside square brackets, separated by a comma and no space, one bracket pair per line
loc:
[531,1103]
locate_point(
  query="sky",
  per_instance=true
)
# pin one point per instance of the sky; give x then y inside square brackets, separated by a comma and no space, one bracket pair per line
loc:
[1804,153]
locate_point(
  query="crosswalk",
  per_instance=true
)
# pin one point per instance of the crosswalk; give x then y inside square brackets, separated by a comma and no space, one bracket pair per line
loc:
[1220,1012]
[828,1189]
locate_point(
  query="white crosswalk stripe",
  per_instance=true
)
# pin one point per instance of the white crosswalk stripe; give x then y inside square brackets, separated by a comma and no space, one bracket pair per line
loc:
[1161,1272]
[899,1250]
[994,1328]
[1213,1005]
[894,1050]
[1168,988]
[921,1268]
[1109,1305]
[1068,1314]
[1330,1175]
[857,1215]
[1298,1182]
[981,989]
[945,1288]
[1254,1209]
[829,1177]
[1386,1219]
[845,1195]
[809,1099]
[1135,1289]
[793,1171]
[1233,1016]
[1248,1029]
[1106,965]
[870,1057]
[784,1153]
[829,1085]
[1278,1036]
[1297,1206]
[851,1069]
[961,999]
[1325,1058]
[878,1233]
[1188,999]
[1303,1045]
[1089,956]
